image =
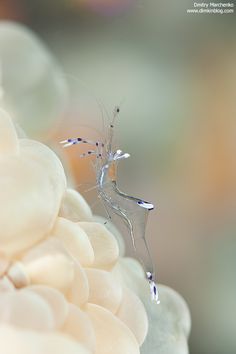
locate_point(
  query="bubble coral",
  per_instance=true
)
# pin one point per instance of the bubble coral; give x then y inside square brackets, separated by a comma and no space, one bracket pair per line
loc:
[65,285]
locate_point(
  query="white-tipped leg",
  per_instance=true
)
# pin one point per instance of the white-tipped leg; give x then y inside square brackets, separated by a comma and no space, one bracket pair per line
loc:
[71,141]
[153,288]
[67,144]
[75,141]
[118,155]
[154,292]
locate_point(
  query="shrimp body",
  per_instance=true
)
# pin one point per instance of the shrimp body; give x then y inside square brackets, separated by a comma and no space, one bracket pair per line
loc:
[133,211]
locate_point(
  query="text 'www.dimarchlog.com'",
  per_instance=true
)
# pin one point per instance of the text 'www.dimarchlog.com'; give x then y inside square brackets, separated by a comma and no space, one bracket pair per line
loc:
[212,8]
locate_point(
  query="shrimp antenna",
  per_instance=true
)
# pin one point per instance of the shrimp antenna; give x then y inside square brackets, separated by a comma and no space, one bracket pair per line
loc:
[116,111]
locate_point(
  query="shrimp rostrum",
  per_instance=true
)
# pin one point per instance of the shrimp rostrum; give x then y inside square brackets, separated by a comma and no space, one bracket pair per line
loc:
[133,211]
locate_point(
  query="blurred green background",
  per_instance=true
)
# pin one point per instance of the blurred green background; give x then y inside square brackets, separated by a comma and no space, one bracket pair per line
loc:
[174,77]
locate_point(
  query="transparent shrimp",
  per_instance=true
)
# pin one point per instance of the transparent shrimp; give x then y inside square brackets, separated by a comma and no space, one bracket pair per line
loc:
[133,211]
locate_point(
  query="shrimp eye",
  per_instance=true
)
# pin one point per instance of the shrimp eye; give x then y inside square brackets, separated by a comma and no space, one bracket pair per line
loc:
[117,110]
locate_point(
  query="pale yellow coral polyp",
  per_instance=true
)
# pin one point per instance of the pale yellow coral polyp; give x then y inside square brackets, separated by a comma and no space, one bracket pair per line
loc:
[133,314]
[20,341]
[54,270]
[56,301]
[112,335]
[75,240]
[48,264]
[74,207]
[105,246]
[32,184]
[103,290]
[79,291]
[26,310]
[18,274]
[79,326]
